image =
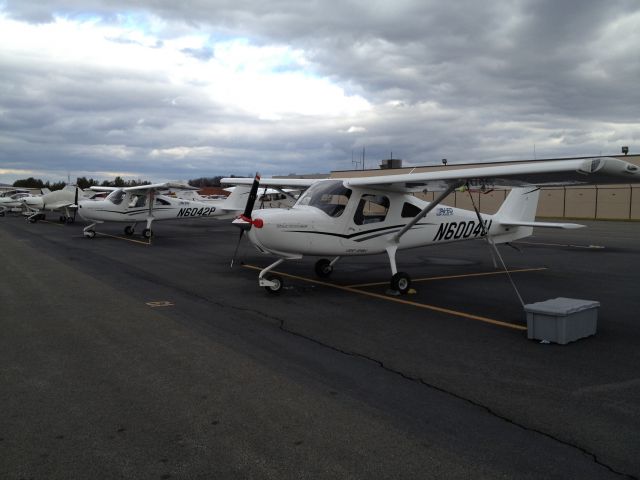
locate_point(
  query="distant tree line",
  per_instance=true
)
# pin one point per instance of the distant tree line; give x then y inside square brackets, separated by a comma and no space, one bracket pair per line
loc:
[209,181]
[205,182]
[82,182]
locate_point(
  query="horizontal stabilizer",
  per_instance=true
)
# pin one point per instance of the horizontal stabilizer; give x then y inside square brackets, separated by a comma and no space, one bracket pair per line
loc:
[567,226]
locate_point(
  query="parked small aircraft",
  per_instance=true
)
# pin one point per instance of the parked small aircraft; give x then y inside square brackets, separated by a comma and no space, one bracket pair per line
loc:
[64,201]
[144,203]
[372,215]
[11,199]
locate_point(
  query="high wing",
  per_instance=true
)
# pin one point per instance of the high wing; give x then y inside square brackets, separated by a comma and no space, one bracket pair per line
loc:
[600,170]
[145,188]
[160,186]
[274,182]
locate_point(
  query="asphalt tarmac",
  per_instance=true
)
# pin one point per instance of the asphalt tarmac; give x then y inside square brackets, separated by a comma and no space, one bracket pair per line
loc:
[125,360]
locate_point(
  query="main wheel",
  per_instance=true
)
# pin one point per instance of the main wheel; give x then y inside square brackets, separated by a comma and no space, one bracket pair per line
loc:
[147,233]
[401,282]
[323,268]
[70,220]
[128,230]
[63,219]
[278,283]
[90,233]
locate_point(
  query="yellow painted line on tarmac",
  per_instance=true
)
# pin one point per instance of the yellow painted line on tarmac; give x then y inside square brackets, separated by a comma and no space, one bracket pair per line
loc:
[447,277]
[147,243]
[52,223]
[400,300]
[595,247]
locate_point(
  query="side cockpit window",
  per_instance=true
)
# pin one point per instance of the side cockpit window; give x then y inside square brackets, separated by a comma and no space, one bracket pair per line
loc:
[329,196]
[409,210]
[116,197]
[138,200]
[371,209]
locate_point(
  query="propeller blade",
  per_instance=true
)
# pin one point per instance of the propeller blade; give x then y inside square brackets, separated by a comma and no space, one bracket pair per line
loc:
[235,252]
[75,202]
[253,193]
[244,220]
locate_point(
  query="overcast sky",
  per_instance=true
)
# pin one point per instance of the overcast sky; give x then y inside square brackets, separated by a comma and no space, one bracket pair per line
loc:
[162,90]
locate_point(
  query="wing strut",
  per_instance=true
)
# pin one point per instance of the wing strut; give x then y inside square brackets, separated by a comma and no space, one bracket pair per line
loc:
[493,246]
[425,210]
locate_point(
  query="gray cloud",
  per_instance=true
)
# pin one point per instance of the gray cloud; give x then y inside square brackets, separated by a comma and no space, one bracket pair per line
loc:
[462,80]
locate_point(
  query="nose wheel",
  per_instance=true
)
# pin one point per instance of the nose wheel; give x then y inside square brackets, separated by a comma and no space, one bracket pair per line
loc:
[147,233]
[89,233]
[272,283]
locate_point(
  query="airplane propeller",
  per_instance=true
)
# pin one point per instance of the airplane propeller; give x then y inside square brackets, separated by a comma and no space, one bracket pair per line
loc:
[244,221]
[75,202]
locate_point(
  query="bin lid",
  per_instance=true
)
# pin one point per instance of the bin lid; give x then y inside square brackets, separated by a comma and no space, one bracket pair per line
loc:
[561,306]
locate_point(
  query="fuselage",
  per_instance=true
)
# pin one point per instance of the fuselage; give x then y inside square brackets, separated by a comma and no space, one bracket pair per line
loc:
[360,222]
[124,207]
[13,201]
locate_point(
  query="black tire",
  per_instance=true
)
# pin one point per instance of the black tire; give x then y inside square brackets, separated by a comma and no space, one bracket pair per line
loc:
[401,282]
[323,268]
[128,230]
[277,288]
[63,219]
[71,220]
[147,233]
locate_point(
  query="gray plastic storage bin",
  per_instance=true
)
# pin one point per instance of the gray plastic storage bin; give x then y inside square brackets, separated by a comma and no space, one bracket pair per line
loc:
[562,320]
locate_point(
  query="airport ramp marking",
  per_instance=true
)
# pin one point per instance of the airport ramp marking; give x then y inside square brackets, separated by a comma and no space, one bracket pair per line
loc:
[447,277]
[591,247]
[52,223]
[147,243]
[162,303]
[425,306]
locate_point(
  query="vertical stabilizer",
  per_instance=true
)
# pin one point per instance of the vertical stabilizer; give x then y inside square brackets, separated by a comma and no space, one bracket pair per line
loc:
[519,207]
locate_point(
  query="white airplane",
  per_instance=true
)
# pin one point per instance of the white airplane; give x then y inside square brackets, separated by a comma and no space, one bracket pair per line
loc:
[373,215]
[64,200]
[12,199]
[144,203]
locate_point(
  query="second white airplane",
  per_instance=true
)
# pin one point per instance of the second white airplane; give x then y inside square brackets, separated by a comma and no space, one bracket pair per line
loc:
[145,204]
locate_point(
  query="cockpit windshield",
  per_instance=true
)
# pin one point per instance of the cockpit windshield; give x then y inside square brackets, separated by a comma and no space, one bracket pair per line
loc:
[329,196]
[116,197]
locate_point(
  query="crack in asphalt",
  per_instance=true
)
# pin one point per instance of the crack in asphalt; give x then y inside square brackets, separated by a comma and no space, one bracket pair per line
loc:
[452,394]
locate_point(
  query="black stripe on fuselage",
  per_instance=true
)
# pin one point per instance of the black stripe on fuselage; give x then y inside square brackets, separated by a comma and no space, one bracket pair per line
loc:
[365,235]
[135,212]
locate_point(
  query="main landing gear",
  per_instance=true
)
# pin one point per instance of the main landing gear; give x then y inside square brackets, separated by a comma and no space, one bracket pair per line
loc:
[35,217]
[324,267]
[400,283]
